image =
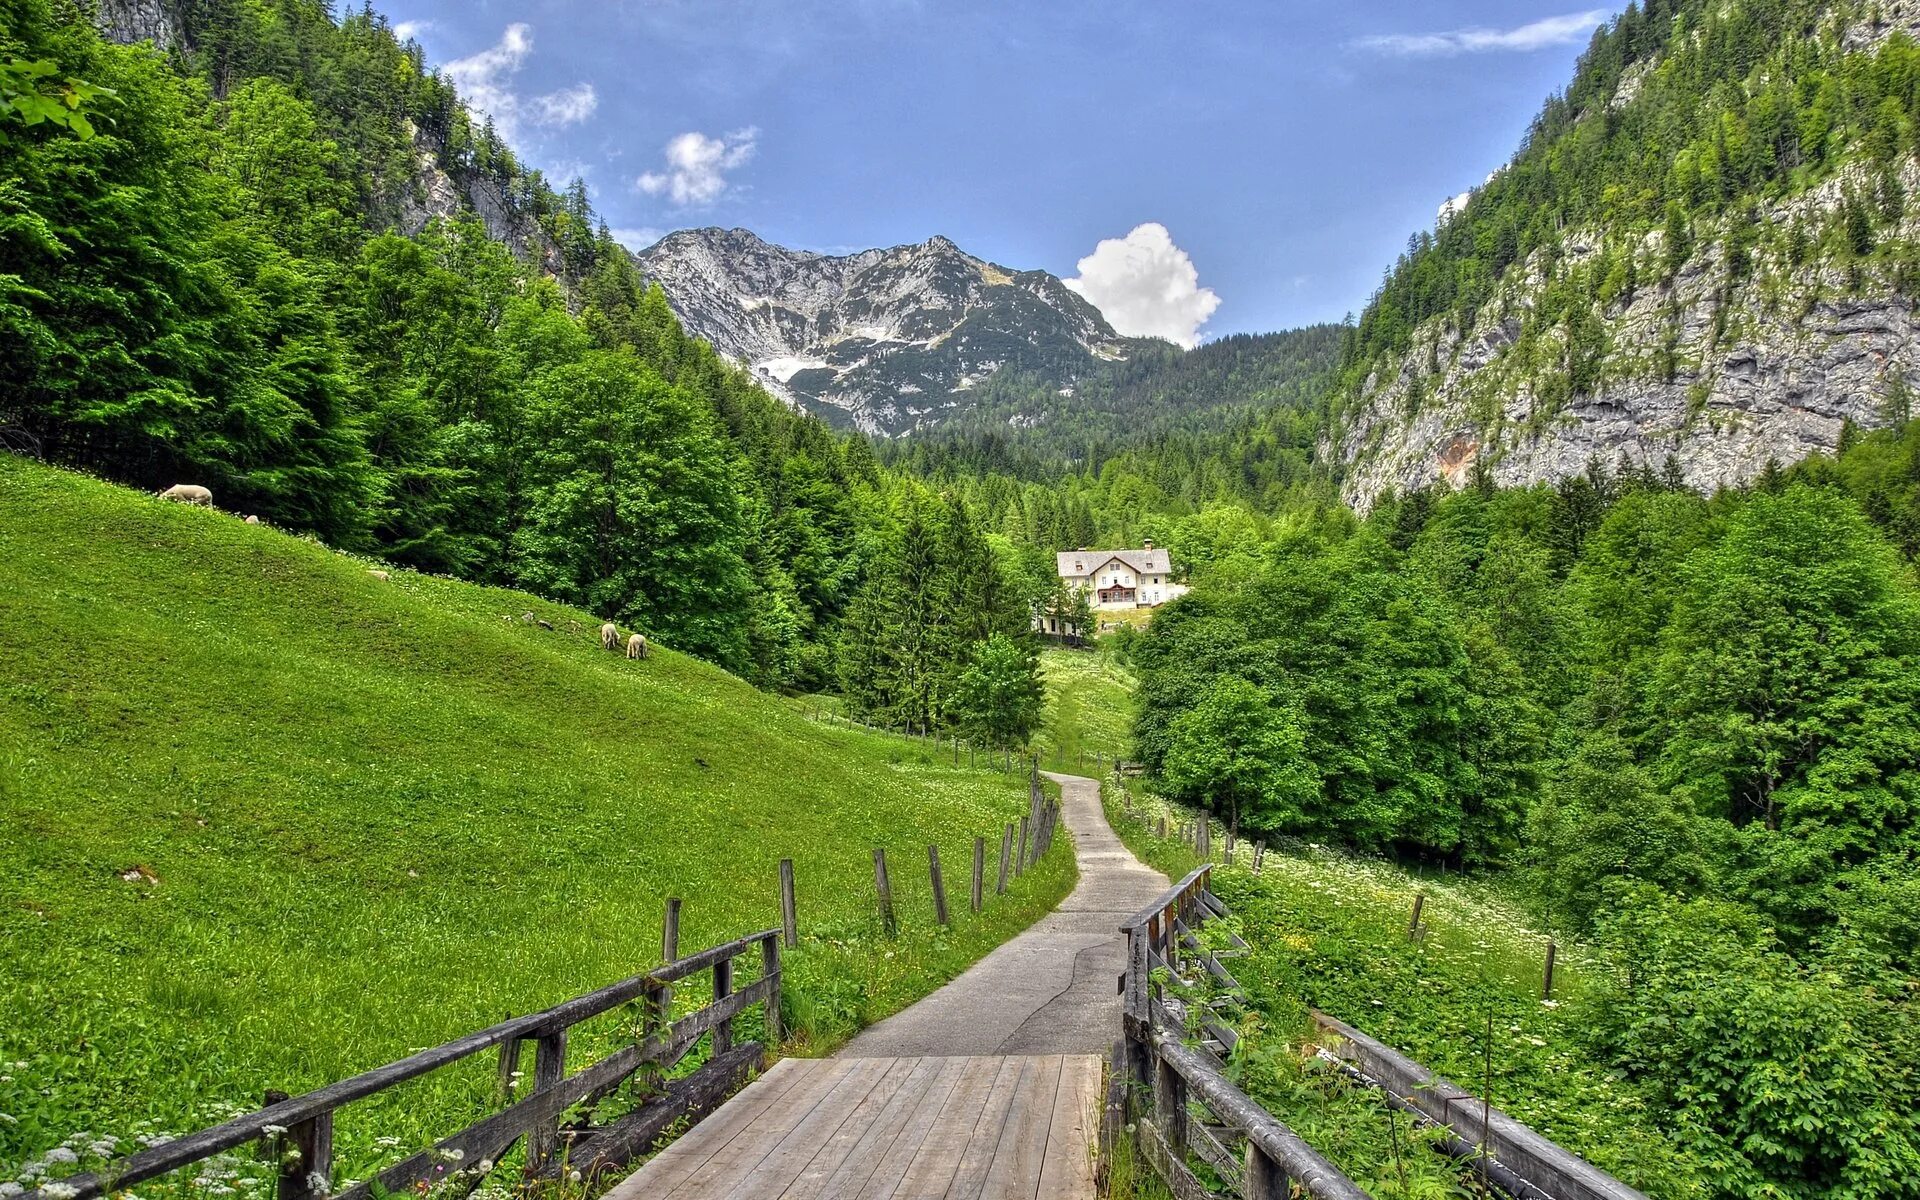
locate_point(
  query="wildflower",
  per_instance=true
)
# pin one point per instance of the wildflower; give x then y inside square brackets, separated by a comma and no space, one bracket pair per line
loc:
[1549,1004]
[573,1177]
[8,1119]
[10,1188]
[273,1130]
[483,1166]
[62,1155]
[318,1184]
[59,1191]
[1538,1041]
[389,1143]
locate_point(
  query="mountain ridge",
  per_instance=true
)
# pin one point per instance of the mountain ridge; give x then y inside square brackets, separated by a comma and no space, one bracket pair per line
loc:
[888,340]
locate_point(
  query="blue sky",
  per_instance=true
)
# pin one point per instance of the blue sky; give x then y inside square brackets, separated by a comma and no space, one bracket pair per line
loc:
[1286,149]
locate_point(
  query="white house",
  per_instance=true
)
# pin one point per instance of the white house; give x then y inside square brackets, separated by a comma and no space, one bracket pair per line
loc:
[1121,578]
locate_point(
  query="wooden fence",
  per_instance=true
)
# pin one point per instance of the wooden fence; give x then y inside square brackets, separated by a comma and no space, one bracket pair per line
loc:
[1182,1106]
[297,1132]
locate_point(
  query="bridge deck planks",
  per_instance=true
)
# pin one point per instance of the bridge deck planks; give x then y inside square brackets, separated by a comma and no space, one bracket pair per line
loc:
[891,1129]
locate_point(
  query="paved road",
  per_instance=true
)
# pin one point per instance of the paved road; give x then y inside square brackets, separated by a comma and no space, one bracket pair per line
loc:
[1051,990]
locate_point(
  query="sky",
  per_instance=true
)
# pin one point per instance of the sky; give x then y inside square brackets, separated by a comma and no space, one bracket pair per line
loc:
[1193,168]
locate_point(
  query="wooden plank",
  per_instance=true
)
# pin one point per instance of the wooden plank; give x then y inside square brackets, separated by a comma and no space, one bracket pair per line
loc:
[1066,1170]
[863,1157]
[609,1148]
[865,1127]
[789,1156]
[927,1177]
[1015,1173]
[891,1164]
[971,1175]
[667,1169]
[743,1152]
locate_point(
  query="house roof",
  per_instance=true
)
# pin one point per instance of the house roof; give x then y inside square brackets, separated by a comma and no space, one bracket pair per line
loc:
[1085,562]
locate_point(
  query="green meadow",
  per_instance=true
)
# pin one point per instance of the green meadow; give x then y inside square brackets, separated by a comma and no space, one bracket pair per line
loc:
[267,820]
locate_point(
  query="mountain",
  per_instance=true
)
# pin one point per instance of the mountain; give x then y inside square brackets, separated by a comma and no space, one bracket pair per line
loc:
[887,340]
[1707,251]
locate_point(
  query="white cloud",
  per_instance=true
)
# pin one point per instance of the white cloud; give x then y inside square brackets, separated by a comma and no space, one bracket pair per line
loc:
[697,166]
[568,106]
[1535,35]
[637,239]
[408,31]
[1145,286]
[485,81]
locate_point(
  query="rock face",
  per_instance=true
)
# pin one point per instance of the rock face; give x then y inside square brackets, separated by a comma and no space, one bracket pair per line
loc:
[1721,370]
[886,340]
[130,21]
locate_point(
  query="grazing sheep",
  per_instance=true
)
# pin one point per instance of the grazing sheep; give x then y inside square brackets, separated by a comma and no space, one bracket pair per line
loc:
[636,647]
[526,618]
[546,625]
[252,520]
[382,576]
[189,493]
[610,637]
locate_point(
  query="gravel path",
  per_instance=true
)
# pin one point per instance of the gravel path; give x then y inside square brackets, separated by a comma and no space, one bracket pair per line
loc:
[1052,989]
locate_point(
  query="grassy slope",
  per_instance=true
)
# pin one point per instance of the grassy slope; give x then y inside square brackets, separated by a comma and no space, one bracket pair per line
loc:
[1089,707]
[381,814]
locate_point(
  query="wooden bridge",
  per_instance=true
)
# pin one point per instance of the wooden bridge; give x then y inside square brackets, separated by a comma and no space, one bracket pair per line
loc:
[978,1128]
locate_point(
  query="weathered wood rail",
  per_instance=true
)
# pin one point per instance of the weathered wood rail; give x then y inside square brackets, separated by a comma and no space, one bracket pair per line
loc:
[1159,1080]
[298,1130]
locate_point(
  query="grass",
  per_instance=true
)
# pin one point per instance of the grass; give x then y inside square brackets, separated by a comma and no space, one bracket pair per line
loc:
[1089,708]
[266,820]
[1330,931]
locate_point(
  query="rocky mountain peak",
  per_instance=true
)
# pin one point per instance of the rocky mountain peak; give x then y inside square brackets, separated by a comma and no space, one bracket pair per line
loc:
[888,340]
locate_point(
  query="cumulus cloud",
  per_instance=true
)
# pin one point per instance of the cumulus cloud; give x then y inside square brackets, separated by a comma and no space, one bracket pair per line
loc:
[407,31]
[1535,35]
[485,81]
[697,166]
[1145,286]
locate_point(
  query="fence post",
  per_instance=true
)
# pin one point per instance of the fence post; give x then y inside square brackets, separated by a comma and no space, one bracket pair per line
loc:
[669,950]
[979,871]
[549,1068]
[509,1072]
[1020,863]
[885,891]
[789,909]
[722,988]
[1163,827]
[306,1159]
[1259,853]
[1170,1106]
[1006,855]
[770,969]
[939,886]
[1413,926]
[1546,989]
[1265,1179]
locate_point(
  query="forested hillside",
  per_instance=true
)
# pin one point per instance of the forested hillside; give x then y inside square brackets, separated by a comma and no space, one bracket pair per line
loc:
[1706,249]
[260,262]
[1688,727]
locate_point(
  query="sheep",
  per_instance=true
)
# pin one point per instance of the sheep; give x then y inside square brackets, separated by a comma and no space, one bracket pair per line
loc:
[546,625]
[252,520]
[636,647]
[189,493]
[610,637]
[382,576]
[526,618]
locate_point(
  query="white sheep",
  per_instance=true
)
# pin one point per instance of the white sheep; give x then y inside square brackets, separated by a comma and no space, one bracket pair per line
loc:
[252,520]
[610,637]
[189,493]
[636,647]
[377,573]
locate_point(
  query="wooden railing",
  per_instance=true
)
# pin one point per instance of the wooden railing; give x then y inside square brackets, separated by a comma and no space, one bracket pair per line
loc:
[1155,1060]
[298,1130]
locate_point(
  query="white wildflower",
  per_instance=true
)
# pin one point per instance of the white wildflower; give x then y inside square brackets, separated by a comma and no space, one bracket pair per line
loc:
[10,1188]
[387,1143]
[59,1191]
[62,1155]
[318,1184]
[573,1177]
[273,1130]
[8,1119]
[483,1166]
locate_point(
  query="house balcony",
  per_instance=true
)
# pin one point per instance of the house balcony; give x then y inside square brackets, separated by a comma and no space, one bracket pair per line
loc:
[1118,595]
